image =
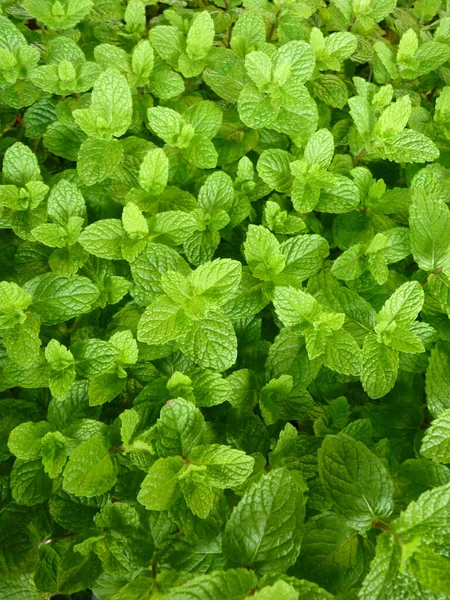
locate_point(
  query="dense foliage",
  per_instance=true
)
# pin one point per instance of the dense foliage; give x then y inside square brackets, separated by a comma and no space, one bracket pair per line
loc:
[225,299]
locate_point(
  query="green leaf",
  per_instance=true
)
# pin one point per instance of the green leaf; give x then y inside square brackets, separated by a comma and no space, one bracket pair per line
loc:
[22,342]
[161,322]
[206,118]
[217,192]
[436,441]
[104,239]
[18,554]
[166,123]
[20,588]
[77,572]
[222,585]
[438,380]
[180,428]
[265,528]
[355,481]
[300,58]
[379,367]
[197,491]
[432,570]
[30,484]
[98,159]
[295,307]
[304,255]
[53,451]
[25,440]
[210,342]
[274,169]
[57,298]
[262,252]
[403,306]
[385,578]
[225,467]
[216,281]
[429,230]
[158,488]
[427,518]
[154,172]
[20,165]
[342,353]
[111,108]
[280,589]
[201,152]
[320,149]
[259,68]
[408,147]
[90,470]
[331,555]
[200,36]
[394,118]
[64,18]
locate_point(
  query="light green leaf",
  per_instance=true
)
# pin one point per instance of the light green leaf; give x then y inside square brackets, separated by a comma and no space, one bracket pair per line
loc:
[304,255]
[161,322]
[278,591]
[154,172]
[300,58]
[20,165]
[409,146]
[90,470]
[385,579]
[57,298]
[205,117]
[158,488]
[166,123]
[403,306]
[197,491]
[221,585]
[394,118]
[274,169]
[436,441]
[104,238]
[379,367]
[342,354]
[217,192]
[428,518]
[98,159]
[320,149]
[25,440]
[111,108]
[180,428]
[216,281]
[225,466]
[259,68]
[210,342]
[200,36]
[22,342]
[429,231]
[432,570]
[53,451]
[262,253]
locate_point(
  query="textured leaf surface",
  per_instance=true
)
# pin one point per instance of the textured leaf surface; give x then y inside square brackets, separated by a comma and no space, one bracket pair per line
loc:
[355,480]
[264,529]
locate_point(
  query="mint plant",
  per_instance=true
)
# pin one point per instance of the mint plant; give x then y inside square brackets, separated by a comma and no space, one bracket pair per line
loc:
[224,300]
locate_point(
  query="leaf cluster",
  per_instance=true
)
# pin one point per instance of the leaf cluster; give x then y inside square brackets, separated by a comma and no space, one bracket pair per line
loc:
[225,299]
